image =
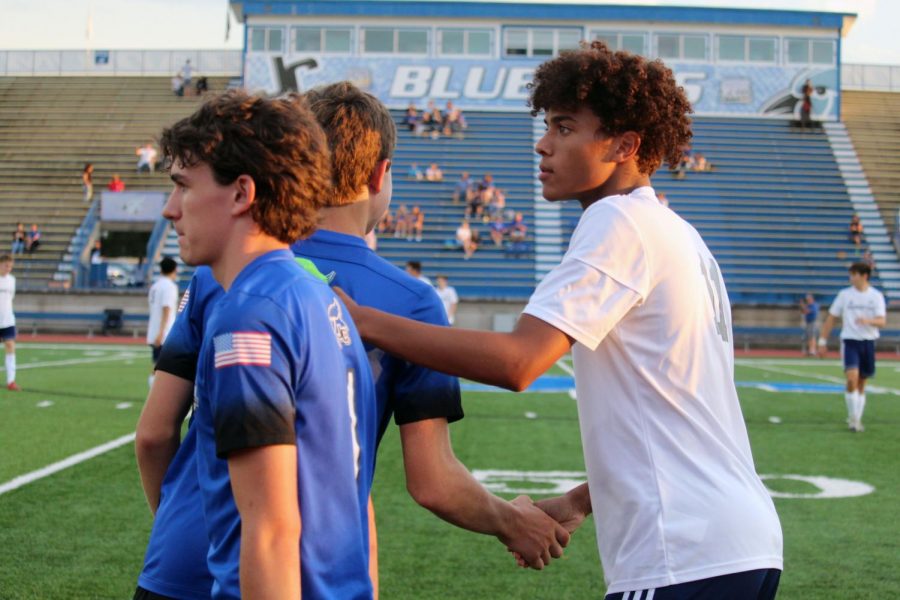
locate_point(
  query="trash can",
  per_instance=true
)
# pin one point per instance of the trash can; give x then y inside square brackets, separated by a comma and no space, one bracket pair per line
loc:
[113,320]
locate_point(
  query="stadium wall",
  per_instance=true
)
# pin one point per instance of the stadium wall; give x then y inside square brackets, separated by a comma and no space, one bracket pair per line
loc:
[482,55]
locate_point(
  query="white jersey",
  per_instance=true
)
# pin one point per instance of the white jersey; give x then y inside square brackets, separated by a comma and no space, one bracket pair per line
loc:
[163,293]
[449,297]
[7,293]
[675,495]
[852,304]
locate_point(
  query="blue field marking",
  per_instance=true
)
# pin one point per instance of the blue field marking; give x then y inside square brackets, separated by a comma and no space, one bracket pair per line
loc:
[544,384]
[551,384]
[797,388]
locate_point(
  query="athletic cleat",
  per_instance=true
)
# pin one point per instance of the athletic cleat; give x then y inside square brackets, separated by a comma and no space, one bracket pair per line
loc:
[13,387]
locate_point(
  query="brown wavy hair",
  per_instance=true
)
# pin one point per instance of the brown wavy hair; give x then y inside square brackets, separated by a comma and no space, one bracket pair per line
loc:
[627,92]
[360,133]
[277,142]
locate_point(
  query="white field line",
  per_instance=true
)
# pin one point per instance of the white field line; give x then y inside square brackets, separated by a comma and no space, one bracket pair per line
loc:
[65,463]
[563,364]
[111,347]
[829,378]
[73,361]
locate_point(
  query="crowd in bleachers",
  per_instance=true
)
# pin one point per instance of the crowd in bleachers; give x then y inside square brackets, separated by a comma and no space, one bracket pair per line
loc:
[433,122]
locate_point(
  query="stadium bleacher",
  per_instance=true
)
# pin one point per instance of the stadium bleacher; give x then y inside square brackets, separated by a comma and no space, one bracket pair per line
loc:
[49,128]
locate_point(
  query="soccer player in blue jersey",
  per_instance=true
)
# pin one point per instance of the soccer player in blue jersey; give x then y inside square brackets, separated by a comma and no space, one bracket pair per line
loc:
[175,561]
[362,137]
[285,434]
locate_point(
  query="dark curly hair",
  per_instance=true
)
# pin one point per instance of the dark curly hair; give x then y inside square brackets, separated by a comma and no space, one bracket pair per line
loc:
[627,92]
[360,133]
[277,142]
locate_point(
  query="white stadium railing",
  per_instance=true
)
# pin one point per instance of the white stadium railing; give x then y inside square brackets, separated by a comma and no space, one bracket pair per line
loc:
[118,62]
[880,78]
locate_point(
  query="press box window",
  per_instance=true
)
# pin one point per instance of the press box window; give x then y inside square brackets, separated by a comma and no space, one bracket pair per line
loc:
[395,41]
[630,42]
[539,41]
[681,46]
[464,42]
[320,39]
[805,51]
[266,39]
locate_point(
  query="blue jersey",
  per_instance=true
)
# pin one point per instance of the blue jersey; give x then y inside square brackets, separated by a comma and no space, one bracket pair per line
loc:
[410,392]
[281,363]
[175,562]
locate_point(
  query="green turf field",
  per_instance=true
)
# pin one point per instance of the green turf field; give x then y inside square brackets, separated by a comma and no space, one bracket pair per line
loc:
[81,532]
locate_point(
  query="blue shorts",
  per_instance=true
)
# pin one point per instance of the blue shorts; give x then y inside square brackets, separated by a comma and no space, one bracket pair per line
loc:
[749,585]
[8,333]
[156,352]
[859,354]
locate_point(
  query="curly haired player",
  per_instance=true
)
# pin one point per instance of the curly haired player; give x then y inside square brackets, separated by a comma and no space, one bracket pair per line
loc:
[680,511]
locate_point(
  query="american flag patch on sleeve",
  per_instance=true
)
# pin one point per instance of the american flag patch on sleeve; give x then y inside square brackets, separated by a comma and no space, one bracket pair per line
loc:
[184,300]
[243,348]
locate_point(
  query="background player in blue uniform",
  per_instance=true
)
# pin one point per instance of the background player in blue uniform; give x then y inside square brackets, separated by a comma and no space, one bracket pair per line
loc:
[362,137]
[175,561]
[280,370]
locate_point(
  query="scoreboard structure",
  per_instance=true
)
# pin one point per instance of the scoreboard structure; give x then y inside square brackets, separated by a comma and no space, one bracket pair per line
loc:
[481,55]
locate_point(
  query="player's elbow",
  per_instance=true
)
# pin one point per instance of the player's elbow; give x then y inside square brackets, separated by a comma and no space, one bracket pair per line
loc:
[425,493]
[149,440]
[518,375]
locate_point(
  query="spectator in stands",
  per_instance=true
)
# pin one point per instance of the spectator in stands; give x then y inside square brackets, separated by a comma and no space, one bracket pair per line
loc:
[146,157]
[474,205]
[187,73]
[412,119]
[416,224]
[461,189]
[869,259]
[809,308]
[701,164]
[415,173]
[518,230]
[178,85]
[806,105]
[448,296]
[33,239]
[87,182]
[414,268]
[497,205]
[856,231]
[498,231]
[116,184]
[433,120]
[96,254]
[401,222]
[454,121]
[434,173]
[386,224]
[19,237]
[202,85]
[466,239]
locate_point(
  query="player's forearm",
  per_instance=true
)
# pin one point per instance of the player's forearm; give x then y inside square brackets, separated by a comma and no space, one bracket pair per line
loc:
[153,458]
[488,357]
[270,563]
[827,326]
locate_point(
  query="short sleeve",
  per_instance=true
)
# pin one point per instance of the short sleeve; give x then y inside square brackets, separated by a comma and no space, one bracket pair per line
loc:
[454,298]
[881,309]
[170,297]
[182,346]
[837,307]
[581,301]
[418,393]
[250,382]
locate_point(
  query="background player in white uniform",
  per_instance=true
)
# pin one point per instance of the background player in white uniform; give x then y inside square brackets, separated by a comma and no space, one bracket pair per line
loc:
[8,319]
[679,508]
[862,311]
[447,294]
[163,300]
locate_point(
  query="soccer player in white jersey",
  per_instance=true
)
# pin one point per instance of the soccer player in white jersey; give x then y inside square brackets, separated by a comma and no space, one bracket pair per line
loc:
[862,311]
[680,511]
[163,300]
[8,319]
